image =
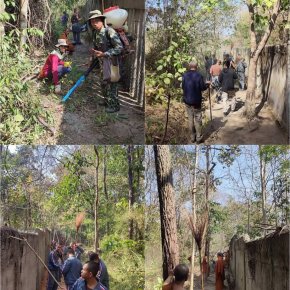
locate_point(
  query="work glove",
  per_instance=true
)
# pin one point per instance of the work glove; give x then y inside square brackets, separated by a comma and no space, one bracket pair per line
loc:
[57,89]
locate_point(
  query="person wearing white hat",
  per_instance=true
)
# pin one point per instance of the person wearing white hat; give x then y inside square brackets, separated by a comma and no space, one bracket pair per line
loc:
[54,65]
[107,46]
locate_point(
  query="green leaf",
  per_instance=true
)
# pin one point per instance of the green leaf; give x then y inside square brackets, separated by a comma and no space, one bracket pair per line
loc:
[181,70]
[167,81]
[174,44]
[18,118]
[160,67]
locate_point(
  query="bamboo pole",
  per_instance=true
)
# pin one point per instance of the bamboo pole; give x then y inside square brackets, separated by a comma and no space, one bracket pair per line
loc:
[25,240]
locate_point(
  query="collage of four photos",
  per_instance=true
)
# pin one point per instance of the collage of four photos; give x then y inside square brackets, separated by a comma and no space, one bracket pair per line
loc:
[144,144]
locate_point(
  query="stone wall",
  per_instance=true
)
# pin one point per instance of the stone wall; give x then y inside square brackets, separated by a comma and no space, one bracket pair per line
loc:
[20,268]
[273,79]
[261,264]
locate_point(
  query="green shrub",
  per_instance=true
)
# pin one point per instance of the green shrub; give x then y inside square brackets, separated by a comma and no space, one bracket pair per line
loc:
[19,106]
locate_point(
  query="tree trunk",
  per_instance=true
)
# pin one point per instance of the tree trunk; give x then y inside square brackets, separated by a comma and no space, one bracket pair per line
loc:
[2,30]
[256,49]
[105,188]
[263,186]
[1,176]
[131,188]
[200,266]
[250,105]
[248,216]
[170,249]
[194,216]
[23,22]
[96,198]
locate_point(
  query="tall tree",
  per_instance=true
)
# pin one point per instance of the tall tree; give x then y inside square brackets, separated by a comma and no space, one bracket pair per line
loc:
[130,149]
[105,187]
[2,10]
[96,198]
[170,249]
[194,214]
[262,13]
[23,20]
[263,185]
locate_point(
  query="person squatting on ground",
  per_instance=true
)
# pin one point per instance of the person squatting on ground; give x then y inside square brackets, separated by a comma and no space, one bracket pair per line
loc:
[227,81]
[54,67]
[102,275]
[193,85]
[88,278]
[107,46]
[176,278]
[219,272]
[55,262]
[71,269]
[241,70]
[76,26]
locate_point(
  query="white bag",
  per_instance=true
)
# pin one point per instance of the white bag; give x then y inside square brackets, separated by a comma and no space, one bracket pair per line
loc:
[111,70]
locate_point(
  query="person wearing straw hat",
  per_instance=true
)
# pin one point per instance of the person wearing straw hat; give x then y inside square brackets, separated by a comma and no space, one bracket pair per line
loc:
[54,67]
[107,46]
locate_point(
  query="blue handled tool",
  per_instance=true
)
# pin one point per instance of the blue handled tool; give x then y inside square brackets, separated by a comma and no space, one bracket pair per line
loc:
[81,79]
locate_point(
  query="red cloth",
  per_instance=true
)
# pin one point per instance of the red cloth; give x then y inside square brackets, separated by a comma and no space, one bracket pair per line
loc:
[219,274]
[204,265]
[50,66]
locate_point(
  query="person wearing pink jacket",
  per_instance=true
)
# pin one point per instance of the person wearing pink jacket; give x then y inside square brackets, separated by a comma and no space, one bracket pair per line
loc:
[54,65]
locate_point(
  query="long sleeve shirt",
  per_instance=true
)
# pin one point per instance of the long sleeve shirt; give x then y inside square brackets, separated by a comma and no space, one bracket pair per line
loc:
[193,85]
[53,261]
[107,41]
[81,284]
[51,66]
[227,79]
[103,275]
[72,270]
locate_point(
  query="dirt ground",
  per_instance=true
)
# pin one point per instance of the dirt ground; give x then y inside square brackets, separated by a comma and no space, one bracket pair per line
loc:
[81,120]
[231,129]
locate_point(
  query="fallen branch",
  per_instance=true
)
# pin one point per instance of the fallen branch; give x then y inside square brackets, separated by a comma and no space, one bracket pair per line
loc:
[42,122]
[25,240]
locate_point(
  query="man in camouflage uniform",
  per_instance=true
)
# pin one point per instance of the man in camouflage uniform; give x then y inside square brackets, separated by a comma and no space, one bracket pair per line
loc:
[106,45]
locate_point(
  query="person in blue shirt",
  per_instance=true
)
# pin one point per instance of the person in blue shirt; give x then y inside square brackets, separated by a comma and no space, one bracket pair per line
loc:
[193,85]
[88,278]
[71,269]
[102,275]
[55,261]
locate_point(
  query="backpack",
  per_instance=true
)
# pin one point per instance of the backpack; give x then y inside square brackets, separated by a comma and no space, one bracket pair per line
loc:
[123,39]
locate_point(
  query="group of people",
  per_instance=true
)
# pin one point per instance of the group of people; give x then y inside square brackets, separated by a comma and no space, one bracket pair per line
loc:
[180,273]
[220,77]
[66,262]
[110,48]
[76,26]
